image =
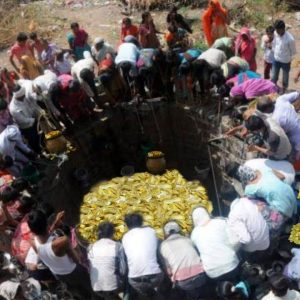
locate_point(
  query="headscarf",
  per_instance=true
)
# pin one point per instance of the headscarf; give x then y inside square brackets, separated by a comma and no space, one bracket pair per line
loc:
[246,49]
[171,226]
[207,19]
[246,174]
[200,216]
[98,40]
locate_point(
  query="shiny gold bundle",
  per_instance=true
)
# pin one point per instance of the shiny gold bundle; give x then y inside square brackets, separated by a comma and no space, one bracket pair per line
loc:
[155,154]
[295,234]
[159,198]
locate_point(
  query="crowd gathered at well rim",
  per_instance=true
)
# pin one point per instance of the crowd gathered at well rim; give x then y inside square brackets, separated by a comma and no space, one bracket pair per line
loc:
[69,87]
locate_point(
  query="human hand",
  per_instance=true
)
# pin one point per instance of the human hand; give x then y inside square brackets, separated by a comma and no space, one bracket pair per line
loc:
[252,148]
[60,216]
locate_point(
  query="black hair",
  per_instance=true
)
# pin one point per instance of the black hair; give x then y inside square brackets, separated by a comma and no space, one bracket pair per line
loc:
[265,105]
[231,169]
[172,27]
[33,35]
[16,88]
[74,86]
[224,90]
[86,74]
[279,285]
[20,184]
[74,25]
[27,202]
[227,291]
[60,55]
[279,24]
[127,20]
[37,222]
[270,29]
[106,230]
[228,192]
[254,123]
[22,37]
[134,220]
[145,15]
[46,208]
[217,78]
[184,68]
[9,194]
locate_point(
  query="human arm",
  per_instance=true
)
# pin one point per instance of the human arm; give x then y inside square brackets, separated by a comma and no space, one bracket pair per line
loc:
[121,261]
[255,148]
[58,220]
[11,60]
[279,175]
[292,46]
[22,120]
[61,246]
[291,97]
[234,130]
[9,219]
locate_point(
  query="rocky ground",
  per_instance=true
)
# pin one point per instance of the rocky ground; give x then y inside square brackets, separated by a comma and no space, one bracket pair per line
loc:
[103,18]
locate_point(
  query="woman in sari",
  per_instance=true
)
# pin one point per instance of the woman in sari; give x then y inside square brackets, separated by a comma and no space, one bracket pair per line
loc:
[30,68]
[214,22]
[245,48]
[147,32]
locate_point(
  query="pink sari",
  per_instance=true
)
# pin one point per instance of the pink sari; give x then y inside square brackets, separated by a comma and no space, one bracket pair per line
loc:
[246,49]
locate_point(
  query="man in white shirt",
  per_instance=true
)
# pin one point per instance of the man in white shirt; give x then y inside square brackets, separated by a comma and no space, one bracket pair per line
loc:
[204,66]
[83,71]
[12,145]
[25,114]
[215,245]
[107,263]
[283,167]
[182,262]
[284,113]
[140,245]
[246,221]
[284,50]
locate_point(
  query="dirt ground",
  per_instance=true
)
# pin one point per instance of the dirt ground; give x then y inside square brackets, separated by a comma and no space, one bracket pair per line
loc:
[105,21]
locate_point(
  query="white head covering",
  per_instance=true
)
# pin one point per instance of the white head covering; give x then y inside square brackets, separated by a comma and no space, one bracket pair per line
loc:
[200,216]
[8,289]
[171,226]
[98,40]
[20,93]
[87,54]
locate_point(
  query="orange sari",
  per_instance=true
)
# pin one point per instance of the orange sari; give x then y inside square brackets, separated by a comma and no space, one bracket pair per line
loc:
[214,22]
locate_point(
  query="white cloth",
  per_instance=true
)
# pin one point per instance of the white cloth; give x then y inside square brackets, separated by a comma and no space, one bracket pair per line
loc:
[86,63]
[29,90]
[268,53]
[101,54]
[44,82]
[214,57]
[200,216]
[127,52]
[32,257]
[284,47]
[248,224]
[217,253]
[9,289]
[282,166]
[287,117]
[292,269]
[291,295]
[11,138]
[58,265]
[140,246]
[103,256]
[24,112]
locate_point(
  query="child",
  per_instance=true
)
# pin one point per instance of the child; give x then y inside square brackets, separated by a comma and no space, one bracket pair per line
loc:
[266,45]
[36,45]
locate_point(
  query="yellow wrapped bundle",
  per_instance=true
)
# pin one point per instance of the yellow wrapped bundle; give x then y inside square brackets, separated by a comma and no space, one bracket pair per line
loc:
[295,234]
[159,198]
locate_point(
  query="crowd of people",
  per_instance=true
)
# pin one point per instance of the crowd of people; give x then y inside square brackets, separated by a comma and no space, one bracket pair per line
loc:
[67,87]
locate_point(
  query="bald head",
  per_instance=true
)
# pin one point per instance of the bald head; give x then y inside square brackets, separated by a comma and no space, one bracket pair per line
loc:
[265,105]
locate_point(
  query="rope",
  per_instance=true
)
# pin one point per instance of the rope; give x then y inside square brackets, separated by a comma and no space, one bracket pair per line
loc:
[214,180]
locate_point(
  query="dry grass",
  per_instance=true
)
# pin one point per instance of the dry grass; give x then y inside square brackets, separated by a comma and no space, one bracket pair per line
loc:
[15,18]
